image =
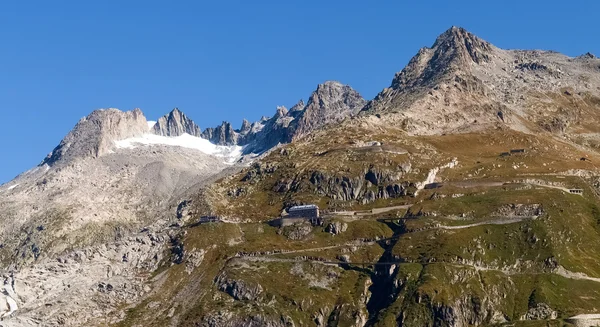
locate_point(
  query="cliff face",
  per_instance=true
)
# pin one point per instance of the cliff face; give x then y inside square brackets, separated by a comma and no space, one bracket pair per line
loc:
[224,134]
[176,123]
[95,134]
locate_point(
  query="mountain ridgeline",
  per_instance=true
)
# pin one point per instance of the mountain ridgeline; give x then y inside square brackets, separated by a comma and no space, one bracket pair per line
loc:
[466,193]
[330,103]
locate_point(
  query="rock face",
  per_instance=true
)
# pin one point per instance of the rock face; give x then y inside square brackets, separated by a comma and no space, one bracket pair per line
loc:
[238,289]
[224,134]
[176,123]
[332,102]
[94,135]
[336,227]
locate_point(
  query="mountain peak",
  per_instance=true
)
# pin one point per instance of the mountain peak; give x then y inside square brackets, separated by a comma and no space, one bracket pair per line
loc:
[331,102]
[454,50]
[246,127]
[298,106]
[176,123]
[281,111]
[95,134]
[459,44]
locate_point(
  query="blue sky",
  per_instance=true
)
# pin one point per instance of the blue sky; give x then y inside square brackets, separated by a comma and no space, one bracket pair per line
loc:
[228,60]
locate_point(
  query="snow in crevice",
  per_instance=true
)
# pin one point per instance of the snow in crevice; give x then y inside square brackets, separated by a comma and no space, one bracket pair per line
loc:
[230,153]
[13,186]
[151,124]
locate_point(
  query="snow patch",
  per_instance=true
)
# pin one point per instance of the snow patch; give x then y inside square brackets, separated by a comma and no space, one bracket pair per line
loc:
[230,153]
[257,127]
[13,186]
[8,295]
[433,174]
[151,124]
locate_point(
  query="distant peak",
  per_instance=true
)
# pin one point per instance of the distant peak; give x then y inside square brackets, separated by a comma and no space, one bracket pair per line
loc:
[330,84]
[94,134]
[459,44]
[298,106]
[281,111]
[176,123]
[246,127]
[175,111]
[588,55]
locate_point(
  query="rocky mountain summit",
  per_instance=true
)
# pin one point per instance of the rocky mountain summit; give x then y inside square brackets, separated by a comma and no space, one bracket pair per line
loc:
[94,135]
[463,83]
[176,123]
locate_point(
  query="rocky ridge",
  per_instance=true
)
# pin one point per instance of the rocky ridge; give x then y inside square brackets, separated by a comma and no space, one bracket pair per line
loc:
[330,103]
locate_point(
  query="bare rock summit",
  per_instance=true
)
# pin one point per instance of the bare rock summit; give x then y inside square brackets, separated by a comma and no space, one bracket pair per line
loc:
[176,123]
[330,103]
[95,134]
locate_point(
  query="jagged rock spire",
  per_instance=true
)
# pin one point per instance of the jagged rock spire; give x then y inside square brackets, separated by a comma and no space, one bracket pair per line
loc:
[176,123]
[246,127]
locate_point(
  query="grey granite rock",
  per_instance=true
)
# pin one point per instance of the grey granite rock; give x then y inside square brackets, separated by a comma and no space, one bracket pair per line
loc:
[176,123]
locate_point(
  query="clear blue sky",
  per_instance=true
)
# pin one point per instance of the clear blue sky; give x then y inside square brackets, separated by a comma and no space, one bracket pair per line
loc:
[228,60]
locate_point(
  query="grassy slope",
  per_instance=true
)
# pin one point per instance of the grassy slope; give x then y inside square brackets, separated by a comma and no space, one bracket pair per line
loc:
[568,232]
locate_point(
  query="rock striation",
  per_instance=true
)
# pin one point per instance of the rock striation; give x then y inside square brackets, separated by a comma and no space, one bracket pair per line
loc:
[176,123]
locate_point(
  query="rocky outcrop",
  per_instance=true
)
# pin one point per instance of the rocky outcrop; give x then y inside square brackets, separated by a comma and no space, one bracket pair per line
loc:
[366,188]
[540,311]
[94,135]
[230,319]
[336,227]
[238,289]
[520,210]
[176,123]
[297,231]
